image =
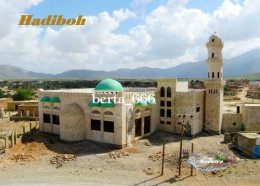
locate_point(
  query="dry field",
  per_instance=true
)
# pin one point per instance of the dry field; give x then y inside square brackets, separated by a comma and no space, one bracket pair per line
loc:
[42,159]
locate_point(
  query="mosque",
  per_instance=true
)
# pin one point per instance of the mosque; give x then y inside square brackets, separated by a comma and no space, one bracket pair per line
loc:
[74,115]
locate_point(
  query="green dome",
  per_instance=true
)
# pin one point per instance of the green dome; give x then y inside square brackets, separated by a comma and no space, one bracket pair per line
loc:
[94,104]
[45,99]
[55,100]
[151,101]
[109,85]
[141,104]
[107,104]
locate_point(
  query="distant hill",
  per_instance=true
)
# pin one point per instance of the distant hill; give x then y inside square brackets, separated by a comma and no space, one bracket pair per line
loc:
[255,76]
[12,72]
[244,64]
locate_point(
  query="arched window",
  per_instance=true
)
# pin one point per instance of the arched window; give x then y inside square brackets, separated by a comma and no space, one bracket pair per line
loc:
[213,75]
[212,40]
[56,108]
[95,112]
[162,92]
[46,107]
[147,109]
[137,111]
[109,113]
[169,93]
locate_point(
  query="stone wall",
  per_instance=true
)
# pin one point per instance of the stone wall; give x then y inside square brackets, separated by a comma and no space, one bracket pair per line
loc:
[251,116]
[3,102]
[231,122]
[191,103]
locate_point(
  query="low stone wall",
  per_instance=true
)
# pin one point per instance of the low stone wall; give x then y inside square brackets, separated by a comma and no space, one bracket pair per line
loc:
[12,139]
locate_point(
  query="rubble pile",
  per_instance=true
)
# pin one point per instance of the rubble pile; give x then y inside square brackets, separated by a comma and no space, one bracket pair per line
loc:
[118,154]
[22,157]
[158,155]
[64,158]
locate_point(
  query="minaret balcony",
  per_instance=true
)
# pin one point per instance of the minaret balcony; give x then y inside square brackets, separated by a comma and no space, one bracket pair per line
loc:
[215,60]
[215,83]
[215,45]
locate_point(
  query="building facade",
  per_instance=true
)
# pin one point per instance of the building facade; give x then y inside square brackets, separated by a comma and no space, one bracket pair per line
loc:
[110,114]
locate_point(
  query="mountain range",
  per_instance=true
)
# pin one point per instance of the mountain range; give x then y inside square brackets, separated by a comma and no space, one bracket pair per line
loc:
[247,63]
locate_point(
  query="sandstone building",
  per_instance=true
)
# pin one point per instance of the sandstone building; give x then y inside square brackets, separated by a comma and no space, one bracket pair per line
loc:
[76,114]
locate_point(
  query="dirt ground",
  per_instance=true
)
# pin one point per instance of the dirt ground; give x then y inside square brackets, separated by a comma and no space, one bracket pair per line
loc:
[36,162]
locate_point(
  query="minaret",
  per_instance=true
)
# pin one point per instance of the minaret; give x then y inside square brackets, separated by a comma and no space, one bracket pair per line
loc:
[214,85]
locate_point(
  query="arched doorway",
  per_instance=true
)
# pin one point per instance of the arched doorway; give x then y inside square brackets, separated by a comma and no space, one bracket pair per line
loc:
[73,124]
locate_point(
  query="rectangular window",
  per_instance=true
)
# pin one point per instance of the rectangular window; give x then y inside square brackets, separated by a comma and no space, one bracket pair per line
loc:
[162,104]
[95,124]
[147,124]
[161,122]
[162,112]
[197,109]
[109,126]
[169,113]
[234,124]
[138,127]
[46,118]
[169,103]
[168,122]
[56,119]
[212,55]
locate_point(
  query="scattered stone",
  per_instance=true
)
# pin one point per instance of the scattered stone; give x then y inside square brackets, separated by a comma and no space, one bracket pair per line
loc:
[22,157]
[149,171]
[118,154]
[147,143]
[158,155]
[63,159]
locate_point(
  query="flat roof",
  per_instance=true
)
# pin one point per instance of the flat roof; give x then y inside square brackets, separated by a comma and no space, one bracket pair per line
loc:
[25,101]
[251,135]
[252,105]
[82,90]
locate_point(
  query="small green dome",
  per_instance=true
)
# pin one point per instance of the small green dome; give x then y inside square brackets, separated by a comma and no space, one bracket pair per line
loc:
[141,104]
[94,104]
[107,104]
[45,99]
[109,85]
[55,100]
[151,101]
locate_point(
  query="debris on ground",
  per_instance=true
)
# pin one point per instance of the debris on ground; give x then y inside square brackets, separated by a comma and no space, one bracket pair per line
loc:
[158,155]
[149,171]
[22,157]
[118,154]
[206,163]
[64,158]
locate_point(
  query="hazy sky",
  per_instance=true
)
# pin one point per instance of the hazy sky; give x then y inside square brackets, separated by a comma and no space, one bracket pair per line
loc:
[125,33]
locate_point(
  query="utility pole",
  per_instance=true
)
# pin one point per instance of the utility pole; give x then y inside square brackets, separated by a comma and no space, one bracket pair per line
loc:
[191,170]
[163,156]
[182,123]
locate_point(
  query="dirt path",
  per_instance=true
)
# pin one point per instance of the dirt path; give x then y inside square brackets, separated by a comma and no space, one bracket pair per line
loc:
[97,164]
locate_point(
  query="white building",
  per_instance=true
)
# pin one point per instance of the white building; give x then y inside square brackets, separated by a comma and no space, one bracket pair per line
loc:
[74,115]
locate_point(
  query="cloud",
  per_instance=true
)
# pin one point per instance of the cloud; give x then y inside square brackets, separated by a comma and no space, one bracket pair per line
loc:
[170,35]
